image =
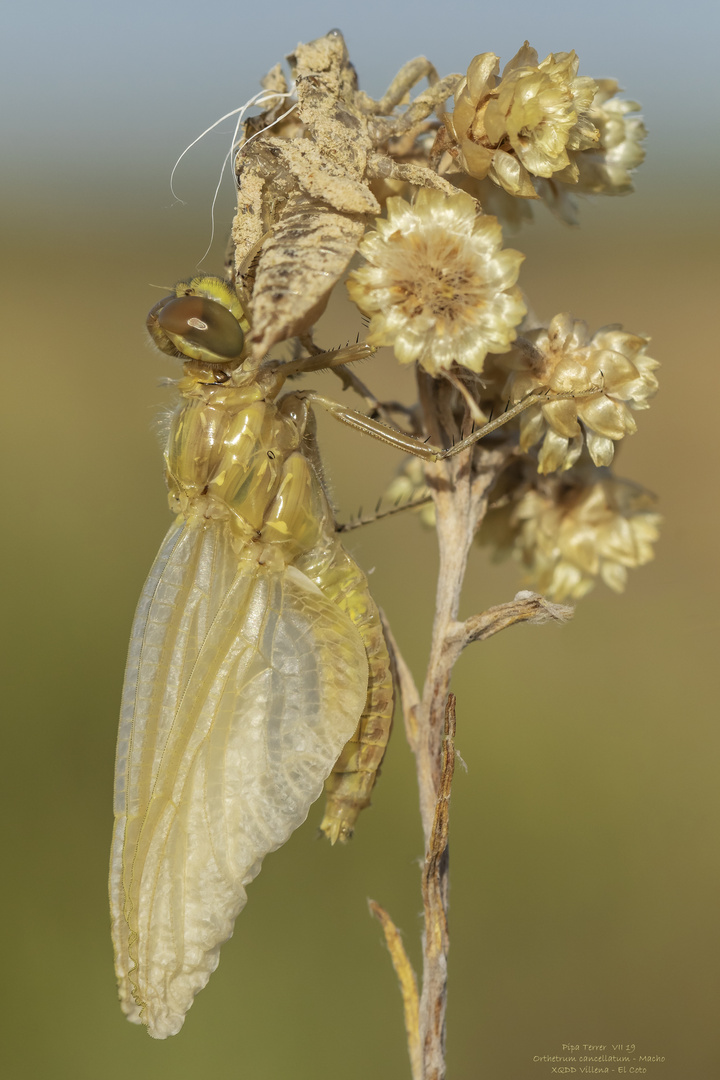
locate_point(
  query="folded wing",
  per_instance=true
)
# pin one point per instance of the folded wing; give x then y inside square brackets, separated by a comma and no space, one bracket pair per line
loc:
[242,686]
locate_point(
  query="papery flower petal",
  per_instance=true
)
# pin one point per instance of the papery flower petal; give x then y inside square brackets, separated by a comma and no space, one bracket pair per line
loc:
[532,427]
[574,371]
[476,160]
[480,74]
[510,174]
[561,416]
[601,450]
[552,453]
[616,368]
[526,56]
[574,451]
[603,416]
[568,333]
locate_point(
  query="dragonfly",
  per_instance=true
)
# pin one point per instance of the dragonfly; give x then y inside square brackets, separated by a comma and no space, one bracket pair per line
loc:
[257,669]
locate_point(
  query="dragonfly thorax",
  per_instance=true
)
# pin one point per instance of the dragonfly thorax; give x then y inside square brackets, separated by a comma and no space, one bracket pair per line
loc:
[230,457]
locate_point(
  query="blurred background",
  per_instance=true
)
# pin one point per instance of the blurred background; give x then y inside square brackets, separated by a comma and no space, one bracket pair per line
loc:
[584,857]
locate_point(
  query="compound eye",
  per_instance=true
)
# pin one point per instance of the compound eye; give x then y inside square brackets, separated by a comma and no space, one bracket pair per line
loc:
[201,329]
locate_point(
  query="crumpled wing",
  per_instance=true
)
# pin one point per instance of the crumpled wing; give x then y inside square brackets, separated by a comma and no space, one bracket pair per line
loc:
[242,686]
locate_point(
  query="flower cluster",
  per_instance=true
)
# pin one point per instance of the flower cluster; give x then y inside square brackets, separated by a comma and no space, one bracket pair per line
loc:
[437,284]
[566,358]
[524,124]
[539,131]
[571,531]
[441,290]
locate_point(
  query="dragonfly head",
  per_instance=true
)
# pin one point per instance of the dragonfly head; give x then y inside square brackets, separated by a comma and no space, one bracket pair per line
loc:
[202,321]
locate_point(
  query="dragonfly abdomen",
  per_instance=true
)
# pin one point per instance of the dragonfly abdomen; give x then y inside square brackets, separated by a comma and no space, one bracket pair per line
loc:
[350,784]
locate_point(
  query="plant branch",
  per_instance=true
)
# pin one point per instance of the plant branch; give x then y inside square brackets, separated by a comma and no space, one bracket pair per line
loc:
[460,486]
[527,607]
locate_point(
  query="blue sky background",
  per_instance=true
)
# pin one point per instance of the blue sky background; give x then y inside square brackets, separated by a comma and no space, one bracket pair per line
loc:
[94,89]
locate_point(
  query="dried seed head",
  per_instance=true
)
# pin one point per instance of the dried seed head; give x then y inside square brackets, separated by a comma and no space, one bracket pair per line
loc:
[571,531]
[564,357]
[524,124]
[437,284]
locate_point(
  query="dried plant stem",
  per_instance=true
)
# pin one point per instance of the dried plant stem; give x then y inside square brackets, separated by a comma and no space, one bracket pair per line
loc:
[434,755]
[436,939]
[460,488]
[425,1017]
[430,728]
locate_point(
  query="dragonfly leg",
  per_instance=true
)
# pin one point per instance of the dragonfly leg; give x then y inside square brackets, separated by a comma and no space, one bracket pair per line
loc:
[412,445]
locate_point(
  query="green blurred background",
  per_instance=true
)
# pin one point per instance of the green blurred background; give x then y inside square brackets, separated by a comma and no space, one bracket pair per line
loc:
[584,861]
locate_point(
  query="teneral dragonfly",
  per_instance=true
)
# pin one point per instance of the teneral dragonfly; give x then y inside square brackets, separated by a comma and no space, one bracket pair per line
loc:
[257,668]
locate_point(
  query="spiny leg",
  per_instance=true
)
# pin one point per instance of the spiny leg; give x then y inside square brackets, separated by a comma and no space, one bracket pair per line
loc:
[384,432]
[336,361]
[412,445]
[320,359]
[349,378]
[380,515]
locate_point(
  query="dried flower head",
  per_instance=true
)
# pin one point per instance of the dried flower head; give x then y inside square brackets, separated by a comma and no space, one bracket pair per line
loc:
[437,283]
[603,169]
[572,530]
[524,124]
[564,357]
